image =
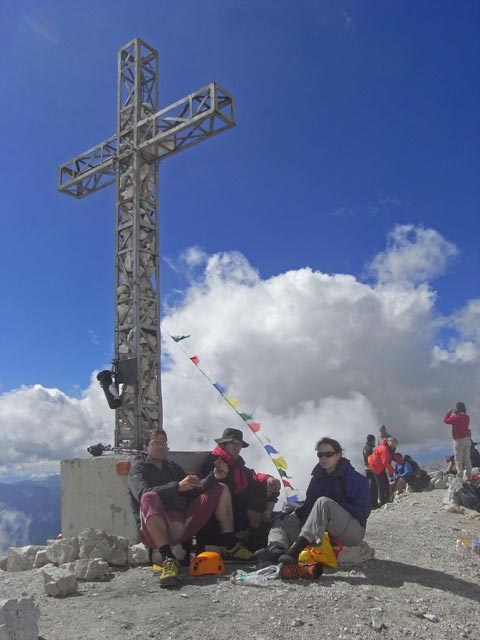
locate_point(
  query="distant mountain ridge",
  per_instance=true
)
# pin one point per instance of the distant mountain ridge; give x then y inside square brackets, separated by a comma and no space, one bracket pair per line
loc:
[29,511]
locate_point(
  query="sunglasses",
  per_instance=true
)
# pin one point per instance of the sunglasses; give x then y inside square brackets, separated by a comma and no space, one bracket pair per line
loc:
[326,454]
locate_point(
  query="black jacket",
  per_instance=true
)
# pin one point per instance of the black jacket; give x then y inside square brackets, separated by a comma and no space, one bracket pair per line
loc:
[145,476]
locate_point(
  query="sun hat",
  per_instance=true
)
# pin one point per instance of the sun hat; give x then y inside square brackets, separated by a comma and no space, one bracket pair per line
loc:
[230,434]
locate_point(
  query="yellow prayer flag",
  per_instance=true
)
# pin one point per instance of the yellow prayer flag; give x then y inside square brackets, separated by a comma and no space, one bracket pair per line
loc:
[232,402]
[280,462]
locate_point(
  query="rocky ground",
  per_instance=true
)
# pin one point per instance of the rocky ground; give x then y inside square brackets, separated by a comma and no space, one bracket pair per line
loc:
[417,586]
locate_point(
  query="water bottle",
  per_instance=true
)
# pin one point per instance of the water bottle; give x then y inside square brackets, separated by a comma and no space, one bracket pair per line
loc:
[193,548]
[463,546]
[261,578]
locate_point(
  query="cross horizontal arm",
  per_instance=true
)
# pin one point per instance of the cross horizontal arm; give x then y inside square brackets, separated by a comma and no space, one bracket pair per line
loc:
[199,116]
[90,171]
[189,121]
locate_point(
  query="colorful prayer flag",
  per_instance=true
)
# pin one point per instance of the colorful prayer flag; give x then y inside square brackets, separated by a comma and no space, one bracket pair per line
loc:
[254,426]
[280,462]
[245,416]
[232,402]
[219,388]
[269,449]
[195,360]
[287,484]
[178,338]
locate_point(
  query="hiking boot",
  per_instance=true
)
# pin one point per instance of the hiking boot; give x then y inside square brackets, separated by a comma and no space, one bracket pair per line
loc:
[169,574]
[311,570]
[287,559]
[237,553]
[271,553]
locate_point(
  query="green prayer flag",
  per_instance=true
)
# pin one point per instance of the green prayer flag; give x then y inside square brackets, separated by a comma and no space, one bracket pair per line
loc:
[178,338]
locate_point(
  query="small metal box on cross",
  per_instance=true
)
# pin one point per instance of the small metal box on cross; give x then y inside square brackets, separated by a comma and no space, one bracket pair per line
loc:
[145,136]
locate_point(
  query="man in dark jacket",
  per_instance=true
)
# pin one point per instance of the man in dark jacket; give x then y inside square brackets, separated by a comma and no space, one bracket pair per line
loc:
[253,494]
[337,501]
[170,505]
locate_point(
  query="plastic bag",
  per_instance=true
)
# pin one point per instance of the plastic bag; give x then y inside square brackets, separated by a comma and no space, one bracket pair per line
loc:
[261,578]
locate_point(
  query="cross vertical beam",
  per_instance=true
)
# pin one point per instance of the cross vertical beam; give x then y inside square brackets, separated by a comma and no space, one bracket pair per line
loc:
[137,319]
[130,158]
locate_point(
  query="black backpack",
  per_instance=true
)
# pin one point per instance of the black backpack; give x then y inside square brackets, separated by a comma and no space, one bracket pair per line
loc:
[415,466]
[468,496]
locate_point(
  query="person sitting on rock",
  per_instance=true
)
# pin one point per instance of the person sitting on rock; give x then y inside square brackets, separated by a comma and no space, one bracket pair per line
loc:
[380,461]
[170,506]
[337,501]
[403,473]
[253,494]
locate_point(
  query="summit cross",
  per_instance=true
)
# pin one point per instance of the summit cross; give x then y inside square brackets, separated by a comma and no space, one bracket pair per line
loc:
[145,136]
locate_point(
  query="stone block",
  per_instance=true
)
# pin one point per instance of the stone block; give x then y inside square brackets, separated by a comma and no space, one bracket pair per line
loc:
[40,559]
[358,554]
[95,543]
[88,568]
[58,582]
[62,551]
[137,554]
[19,619]
[22,558]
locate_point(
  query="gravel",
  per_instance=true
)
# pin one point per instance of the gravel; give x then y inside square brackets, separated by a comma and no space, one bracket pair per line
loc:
[418,586]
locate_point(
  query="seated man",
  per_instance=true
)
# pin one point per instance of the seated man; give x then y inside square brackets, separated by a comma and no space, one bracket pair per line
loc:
[337,501]
[170,505]
[253,494]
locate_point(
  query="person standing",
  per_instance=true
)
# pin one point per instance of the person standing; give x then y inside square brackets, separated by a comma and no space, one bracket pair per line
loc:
[462,442]
[383,434]
[368,450]
[380,461]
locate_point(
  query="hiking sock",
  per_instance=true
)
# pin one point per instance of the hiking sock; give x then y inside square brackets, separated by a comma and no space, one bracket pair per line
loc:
[228,540]
[166,551]
[297,547]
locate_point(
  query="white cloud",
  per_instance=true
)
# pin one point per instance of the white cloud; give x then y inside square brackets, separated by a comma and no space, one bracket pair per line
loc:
[14,527]
[41,426]
[413,255]
[309,354]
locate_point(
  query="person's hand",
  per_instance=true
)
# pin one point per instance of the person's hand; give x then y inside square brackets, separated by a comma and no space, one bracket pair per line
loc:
[273,485]
[220,469]
[192,481]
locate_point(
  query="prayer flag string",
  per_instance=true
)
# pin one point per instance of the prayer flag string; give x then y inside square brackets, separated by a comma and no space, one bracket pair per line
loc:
[276,457]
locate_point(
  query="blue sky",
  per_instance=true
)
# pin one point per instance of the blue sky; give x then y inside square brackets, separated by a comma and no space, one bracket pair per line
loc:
[353,119]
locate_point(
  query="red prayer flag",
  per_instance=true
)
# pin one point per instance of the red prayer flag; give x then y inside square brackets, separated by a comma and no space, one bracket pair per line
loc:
[254,426]
[195,360]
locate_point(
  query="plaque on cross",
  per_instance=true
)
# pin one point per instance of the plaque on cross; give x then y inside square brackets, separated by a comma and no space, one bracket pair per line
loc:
[145,136]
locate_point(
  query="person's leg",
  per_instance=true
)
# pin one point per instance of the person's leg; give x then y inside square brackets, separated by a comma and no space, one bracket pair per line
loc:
[154,524]
[285,530]
[460,458]
[326,515]
[399,485]
[155,532]
[383,487]
[372,481]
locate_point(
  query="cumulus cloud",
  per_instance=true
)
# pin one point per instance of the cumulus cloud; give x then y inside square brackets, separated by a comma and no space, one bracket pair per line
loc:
[413,255]
[41,426]
[308,354]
